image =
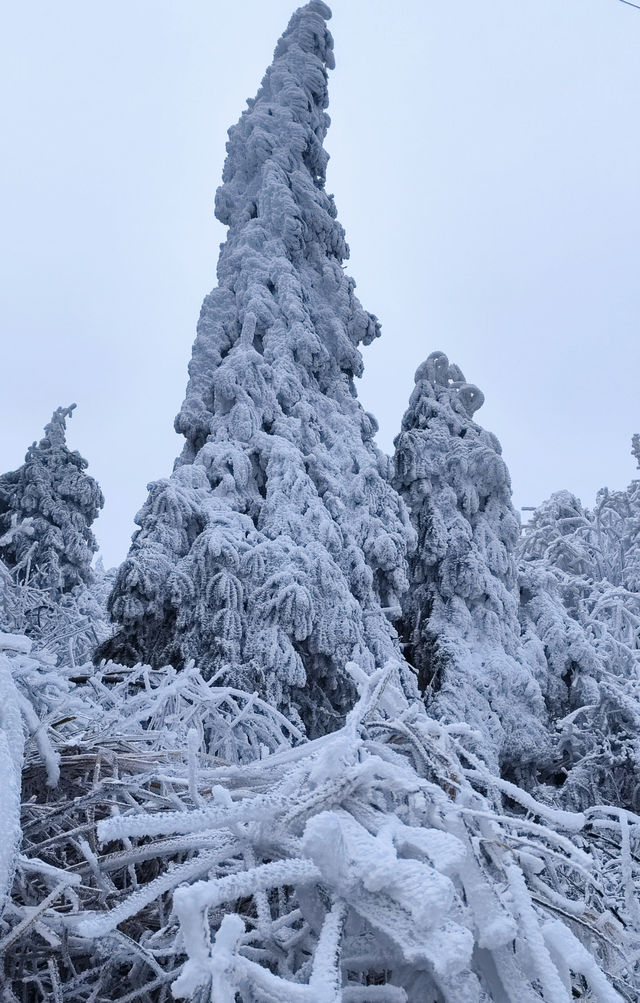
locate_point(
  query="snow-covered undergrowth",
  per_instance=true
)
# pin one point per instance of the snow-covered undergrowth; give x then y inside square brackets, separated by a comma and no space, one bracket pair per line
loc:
[196,846]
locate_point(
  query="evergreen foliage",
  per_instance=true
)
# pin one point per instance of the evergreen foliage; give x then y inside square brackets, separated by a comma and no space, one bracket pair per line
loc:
[270,553]
[460,618]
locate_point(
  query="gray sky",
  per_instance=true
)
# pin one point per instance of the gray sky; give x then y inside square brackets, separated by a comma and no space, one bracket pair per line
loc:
[485,163]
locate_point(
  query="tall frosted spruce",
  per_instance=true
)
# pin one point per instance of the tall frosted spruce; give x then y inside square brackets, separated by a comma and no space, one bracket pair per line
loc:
[460,618]
[270,553]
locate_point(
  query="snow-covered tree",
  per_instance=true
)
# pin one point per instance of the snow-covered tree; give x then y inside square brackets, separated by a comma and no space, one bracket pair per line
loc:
[272,551]
[460,618]
[47,508]
[580,612]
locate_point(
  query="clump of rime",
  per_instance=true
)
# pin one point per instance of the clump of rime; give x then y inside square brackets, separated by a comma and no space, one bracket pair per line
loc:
[270,553]
[460,618]
[47,508]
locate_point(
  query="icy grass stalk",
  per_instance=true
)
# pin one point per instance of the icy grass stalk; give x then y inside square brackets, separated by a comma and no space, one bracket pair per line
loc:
[28,691]
[11,753]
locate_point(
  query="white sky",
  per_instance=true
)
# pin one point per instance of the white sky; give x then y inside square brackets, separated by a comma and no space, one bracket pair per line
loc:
[486,166]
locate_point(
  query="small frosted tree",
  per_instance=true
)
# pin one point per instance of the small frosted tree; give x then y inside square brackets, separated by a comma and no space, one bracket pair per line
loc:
[460,617]
[47,508]
[272,551]
[48,589]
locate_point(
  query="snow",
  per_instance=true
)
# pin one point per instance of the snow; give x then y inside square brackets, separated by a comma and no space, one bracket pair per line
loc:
[15,642]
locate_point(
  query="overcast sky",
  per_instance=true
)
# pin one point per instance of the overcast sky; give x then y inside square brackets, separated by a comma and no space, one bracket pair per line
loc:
[485,159]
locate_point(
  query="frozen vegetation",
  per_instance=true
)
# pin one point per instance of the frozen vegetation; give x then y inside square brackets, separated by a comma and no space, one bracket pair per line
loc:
[337,729]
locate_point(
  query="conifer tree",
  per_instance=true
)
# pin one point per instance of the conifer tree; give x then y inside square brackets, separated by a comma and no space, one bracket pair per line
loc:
[47,508]
[460,618]
[271,552]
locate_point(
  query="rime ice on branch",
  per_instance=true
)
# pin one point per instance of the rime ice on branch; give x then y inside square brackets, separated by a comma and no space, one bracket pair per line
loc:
[460,618]
[269,554]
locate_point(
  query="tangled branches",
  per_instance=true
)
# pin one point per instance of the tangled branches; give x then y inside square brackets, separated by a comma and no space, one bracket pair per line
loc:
[197,848]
